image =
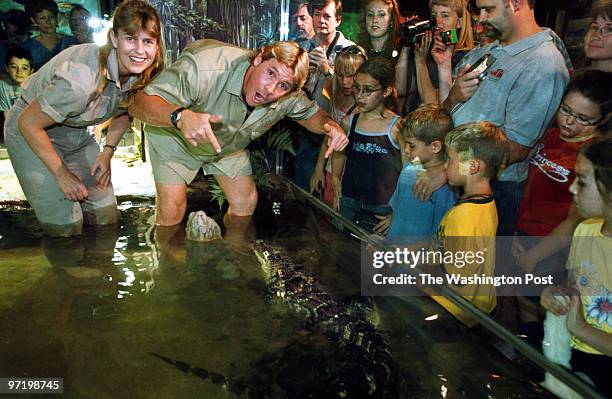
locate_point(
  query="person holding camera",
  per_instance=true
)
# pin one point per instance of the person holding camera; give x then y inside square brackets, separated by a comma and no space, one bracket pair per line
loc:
[520,91]
[441,48]
[442,40]
[322,50]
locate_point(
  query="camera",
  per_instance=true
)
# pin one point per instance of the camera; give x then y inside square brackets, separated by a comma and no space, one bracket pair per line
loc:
[411,30]
[449,37]
[482,66]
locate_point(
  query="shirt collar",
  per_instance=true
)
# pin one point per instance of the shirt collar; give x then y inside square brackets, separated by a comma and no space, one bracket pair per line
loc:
[524,44]
[236,76]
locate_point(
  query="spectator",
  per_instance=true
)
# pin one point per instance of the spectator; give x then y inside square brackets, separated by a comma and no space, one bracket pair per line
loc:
[17,28]
[598,39]
[418,80]
[19,68]
[322,48]
[373,157]
[78,18]
[379,29]
[547,208]
[521,92]
[301,23]
[474,152]
[49,42]
[586,298]
[423,130]
[434,67]
[342,104]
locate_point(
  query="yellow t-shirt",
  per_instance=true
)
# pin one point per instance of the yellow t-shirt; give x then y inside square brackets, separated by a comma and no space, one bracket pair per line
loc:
[470,226]
[590,267]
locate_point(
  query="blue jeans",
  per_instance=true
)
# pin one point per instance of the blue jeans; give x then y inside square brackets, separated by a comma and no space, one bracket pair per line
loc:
[362,214]
[508,196]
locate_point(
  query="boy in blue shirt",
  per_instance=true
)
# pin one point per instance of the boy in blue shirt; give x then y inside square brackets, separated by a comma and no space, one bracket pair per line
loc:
[412,220]
[18,64]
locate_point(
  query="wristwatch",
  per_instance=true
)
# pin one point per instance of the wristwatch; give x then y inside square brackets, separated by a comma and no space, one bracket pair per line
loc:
[175,116]
[329,73]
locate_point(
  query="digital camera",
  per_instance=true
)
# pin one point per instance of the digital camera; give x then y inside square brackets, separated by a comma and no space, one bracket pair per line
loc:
[449,37]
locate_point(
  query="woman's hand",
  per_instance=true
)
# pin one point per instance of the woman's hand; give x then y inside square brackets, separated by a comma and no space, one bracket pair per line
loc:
[72,187]
[440,52]
[421,49]
[101,169]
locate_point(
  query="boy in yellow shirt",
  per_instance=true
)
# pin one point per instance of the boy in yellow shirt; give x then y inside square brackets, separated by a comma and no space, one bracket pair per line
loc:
[475,153]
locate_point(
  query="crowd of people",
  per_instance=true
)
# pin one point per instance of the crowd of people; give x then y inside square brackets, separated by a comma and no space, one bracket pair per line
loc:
[478,127]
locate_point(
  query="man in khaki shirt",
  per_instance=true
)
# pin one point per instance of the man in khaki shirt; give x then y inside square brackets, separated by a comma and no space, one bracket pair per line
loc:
[219,98]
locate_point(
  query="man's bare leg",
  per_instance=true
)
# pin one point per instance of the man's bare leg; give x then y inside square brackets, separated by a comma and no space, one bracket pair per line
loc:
[171,203]
[241,193]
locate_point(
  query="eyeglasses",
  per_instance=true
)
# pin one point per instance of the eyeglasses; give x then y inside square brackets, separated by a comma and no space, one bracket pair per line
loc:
[604,30]
[567,111]
[354,50]
[366,91]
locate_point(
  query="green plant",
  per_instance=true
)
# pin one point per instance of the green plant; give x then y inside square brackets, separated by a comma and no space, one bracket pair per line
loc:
[262,155]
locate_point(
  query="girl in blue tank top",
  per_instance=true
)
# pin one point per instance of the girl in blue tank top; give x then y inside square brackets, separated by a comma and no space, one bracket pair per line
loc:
[372,161]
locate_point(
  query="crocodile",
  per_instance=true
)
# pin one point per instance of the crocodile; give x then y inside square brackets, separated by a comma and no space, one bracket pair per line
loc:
[369,368]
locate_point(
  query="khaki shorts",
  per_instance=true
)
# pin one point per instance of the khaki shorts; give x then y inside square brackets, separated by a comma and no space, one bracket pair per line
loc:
[173,164]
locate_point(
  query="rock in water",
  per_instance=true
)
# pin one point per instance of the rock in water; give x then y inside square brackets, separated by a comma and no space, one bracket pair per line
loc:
[201,227]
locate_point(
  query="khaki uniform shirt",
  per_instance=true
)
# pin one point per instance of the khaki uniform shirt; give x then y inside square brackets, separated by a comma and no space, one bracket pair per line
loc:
[208,77]
[66,87]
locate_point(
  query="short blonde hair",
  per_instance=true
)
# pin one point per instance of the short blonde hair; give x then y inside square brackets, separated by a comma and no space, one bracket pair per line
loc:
[428,123]
[480,140]
[345,64]
[465,41]
[289,54]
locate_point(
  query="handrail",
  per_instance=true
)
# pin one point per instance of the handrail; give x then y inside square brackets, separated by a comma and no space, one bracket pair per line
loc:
[563,374]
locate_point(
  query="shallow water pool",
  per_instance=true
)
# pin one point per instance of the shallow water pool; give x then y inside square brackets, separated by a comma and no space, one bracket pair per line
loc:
[132,312]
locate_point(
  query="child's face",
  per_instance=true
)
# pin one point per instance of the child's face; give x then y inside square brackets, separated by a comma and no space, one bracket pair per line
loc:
[456,172]
[345,83]
[19,69]
[586,195]
[577,116]
[368,92]
[417,151]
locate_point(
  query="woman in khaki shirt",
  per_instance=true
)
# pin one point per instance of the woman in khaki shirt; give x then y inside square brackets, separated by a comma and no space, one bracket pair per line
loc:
[61,170]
